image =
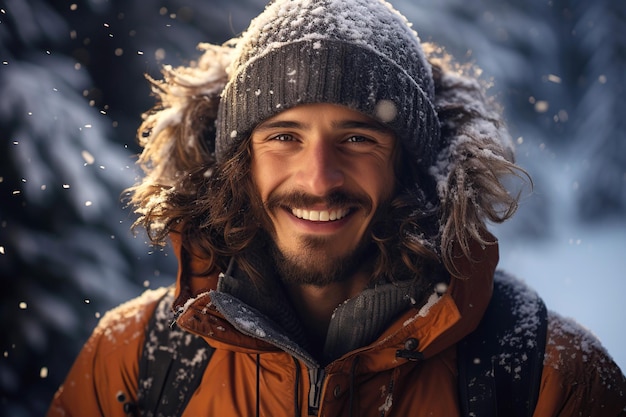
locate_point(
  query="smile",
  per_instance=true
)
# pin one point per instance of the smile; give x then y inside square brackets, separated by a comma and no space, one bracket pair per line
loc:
[320,215]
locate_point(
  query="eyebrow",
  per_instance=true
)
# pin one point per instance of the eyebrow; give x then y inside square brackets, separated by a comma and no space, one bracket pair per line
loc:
[344,124]
[366,125]
[280,124]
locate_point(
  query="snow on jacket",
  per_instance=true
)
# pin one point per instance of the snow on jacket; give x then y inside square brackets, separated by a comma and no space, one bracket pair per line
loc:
[579,378]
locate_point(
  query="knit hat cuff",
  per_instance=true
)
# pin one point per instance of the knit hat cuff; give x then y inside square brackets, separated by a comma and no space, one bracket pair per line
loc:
[328,71]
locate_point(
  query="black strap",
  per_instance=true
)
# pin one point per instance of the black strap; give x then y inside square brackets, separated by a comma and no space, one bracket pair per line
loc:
[171,365]
[500,363]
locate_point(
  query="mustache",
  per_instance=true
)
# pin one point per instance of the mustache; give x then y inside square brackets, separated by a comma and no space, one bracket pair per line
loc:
[333,200]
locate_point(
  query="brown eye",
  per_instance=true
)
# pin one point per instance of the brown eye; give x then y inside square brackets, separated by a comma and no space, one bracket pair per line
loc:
[283,137]
[357,139]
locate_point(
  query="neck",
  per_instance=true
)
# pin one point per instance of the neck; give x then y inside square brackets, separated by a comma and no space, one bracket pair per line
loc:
[315,304]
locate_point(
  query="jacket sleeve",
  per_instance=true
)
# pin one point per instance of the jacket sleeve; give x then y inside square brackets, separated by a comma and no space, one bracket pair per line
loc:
[579,377]
[104,375]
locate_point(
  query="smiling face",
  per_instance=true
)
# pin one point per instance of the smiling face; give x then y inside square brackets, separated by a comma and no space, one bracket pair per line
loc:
[322,172]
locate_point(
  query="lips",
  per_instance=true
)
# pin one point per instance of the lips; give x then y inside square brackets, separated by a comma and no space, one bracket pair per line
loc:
[320,215]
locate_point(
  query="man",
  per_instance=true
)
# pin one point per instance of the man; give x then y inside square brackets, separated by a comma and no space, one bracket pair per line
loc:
[325,184]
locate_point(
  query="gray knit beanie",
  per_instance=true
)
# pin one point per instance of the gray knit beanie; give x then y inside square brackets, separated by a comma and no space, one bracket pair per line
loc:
[362,54]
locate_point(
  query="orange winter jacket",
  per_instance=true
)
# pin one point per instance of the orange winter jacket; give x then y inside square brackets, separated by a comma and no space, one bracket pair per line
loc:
[579,378]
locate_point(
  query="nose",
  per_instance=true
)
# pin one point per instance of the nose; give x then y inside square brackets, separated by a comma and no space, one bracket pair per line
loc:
[320,170]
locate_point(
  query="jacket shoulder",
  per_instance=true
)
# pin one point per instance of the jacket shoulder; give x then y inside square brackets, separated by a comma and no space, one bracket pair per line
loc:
[579,376]
[104,374]
[127,321]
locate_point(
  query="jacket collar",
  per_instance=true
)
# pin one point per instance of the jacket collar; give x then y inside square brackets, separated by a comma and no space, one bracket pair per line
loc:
[437,325]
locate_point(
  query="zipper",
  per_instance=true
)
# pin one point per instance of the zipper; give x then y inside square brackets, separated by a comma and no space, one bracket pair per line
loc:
[316,379]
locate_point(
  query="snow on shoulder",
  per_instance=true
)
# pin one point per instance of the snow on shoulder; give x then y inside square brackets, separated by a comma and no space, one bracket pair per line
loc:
[573,351]
[125,321]
[525,307]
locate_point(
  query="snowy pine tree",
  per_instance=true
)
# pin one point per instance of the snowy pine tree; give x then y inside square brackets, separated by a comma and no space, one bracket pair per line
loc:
[601,128]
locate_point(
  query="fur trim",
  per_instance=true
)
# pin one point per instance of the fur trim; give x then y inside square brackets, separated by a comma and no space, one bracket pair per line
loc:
[173,133]
[179,92]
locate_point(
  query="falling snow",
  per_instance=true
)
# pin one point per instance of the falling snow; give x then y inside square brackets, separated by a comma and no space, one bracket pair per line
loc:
[60,128]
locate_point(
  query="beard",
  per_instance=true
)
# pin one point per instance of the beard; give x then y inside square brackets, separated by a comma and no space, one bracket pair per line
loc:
[314,261]
[313,265]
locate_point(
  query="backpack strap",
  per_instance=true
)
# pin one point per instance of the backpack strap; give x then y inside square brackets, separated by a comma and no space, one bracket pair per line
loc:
[500,363]
[171,365]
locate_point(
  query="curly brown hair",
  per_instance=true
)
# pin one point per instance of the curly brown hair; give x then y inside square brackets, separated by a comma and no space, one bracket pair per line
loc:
[436,212]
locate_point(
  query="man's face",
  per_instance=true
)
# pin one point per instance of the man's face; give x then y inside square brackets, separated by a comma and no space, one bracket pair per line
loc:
[322,171]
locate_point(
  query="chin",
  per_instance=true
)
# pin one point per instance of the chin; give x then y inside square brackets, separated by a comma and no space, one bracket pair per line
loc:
[312,266]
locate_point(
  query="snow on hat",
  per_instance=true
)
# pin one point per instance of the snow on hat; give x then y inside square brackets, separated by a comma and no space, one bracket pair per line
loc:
[362,54]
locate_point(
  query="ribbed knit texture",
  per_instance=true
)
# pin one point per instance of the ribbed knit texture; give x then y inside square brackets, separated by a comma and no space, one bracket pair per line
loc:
[358,53]
[359,321]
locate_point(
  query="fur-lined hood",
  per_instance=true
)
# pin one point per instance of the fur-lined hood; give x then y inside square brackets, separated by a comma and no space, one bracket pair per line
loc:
[475,151]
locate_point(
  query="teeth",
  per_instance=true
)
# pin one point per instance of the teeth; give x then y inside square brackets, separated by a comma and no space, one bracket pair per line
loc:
[320,215]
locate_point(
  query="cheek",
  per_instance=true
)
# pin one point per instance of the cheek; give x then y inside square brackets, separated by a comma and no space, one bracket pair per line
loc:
[260,189]
[266,176]
[379,181]
[259,176]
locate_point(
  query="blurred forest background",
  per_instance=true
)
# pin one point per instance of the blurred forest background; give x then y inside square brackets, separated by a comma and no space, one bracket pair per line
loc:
[72,91]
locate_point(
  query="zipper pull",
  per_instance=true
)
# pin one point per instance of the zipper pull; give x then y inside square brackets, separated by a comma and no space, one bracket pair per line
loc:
[316,378]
